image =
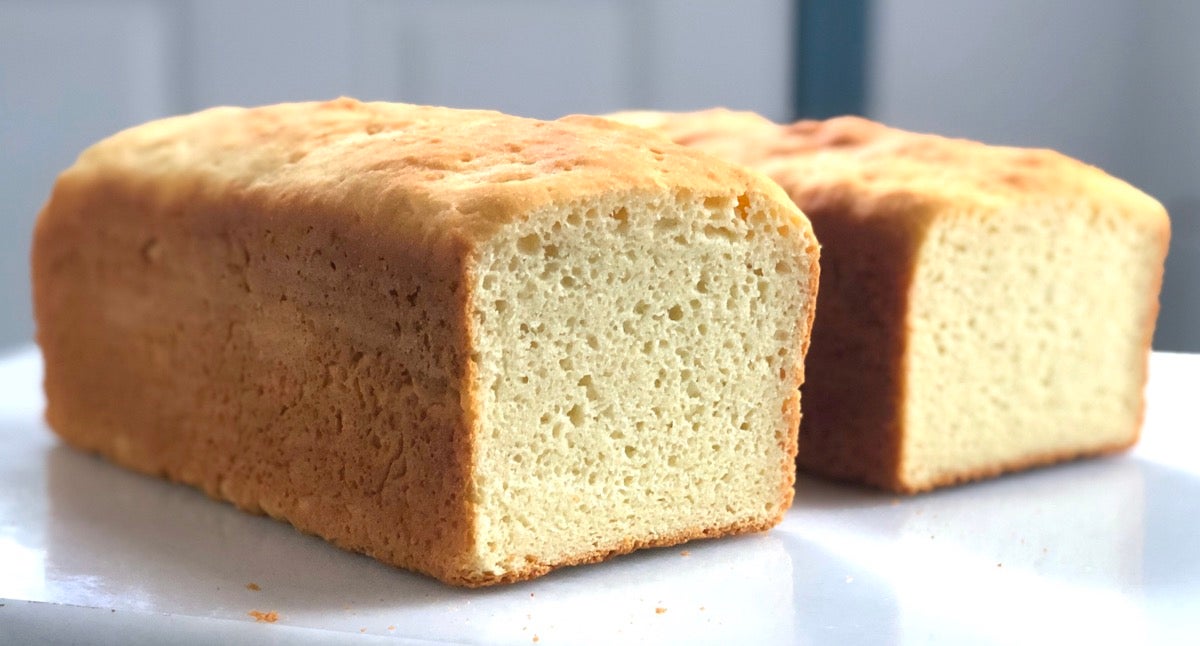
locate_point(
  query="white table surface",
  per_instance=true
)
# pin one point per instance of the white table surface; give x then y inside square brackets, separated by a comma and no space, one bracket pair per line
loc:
[1098,551]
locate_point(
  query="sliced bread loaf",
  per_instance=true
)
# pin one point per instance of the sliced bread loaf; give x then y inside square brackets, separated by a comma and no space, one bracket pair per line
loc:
[465,343]
[983,309]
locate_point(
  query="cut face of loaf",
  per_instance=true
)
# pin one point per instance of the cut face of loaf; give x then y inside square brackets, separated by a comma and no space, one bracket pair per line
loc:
[633,363]
[472,345]
[983,309]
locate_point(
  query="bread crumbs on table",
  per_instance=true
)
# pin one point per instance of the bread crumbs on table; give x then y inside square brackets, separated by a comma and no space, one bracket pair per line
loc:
[269,617]
[362,630]
[659,610]
[849,579]
[535,638]
[685,553]
[999,565]
[253,587]
[391,627]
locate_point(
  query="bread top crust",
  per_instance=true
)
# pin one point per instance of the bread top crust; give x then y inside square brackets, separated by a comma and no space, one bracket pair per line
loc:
[869,168]
[431,174]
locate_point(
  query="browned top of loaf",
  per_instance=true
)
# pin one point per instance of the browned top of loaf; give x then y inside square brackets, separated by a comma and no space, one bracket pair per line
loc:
[425,171]
[851,159]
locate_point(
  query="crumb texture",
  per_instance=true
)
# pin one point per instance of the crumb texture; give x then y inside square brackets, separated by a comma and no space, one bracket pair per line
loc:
[1050,307]
[637,362]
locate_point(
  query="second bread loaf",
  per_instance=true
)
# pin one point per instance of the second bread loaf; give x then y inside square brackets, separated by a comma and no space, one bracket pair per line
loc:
[983,308]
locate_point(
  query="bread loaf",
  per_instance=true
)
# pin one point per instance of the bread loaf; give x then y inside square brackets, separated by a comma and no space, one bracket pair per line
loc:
[469,344]
[983,309]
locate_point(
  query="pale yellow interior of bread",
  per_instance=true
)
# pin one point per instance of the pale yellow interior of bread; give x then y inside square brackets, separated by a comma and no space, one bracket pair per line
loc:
[1027,337]
[635,359]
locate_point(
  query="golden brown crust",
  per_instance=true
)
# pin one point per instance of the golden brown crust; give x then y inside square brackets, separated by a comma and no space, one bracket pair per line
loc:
[863,293]
[259,382]
[273,305]
[861,163]
[871,192]
[427,174]
[535,569]
[1029,462]
[1148,325]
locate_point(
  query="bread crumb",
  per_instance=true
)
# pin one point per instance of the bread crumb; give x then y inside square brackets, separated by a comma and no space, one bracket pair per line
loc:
[391,627]
[362,630]
[253,587]
[999,565]
[895,501]
[535,638]
[659,610]
[849,579]
[685,553]
[269,617]
[701,608]
[530,595]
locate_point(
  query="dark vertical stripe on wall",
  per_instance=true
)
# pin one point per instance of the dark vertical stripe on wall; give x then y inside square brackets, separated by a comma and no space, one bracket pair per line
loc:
[830,59]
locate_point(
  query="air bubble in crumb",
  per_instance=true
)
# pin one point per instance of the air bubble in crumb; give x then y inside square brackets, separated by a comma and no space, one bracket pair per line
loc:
[269,616]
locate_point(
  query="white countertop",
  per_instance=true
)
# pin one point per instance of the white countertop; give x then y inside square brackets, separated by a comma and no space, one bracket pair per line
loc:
[1104,550]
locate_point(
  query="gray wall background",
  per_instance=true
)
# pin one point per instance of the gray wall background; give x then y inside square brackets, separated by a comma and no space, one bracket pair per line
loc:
[74,71]
[1113,82]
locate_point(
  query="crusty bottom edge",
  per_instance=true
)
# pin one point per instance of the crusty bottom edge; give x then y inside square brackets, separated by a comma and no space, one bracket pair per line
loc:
[892,482]
[537,569]
[533,570]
